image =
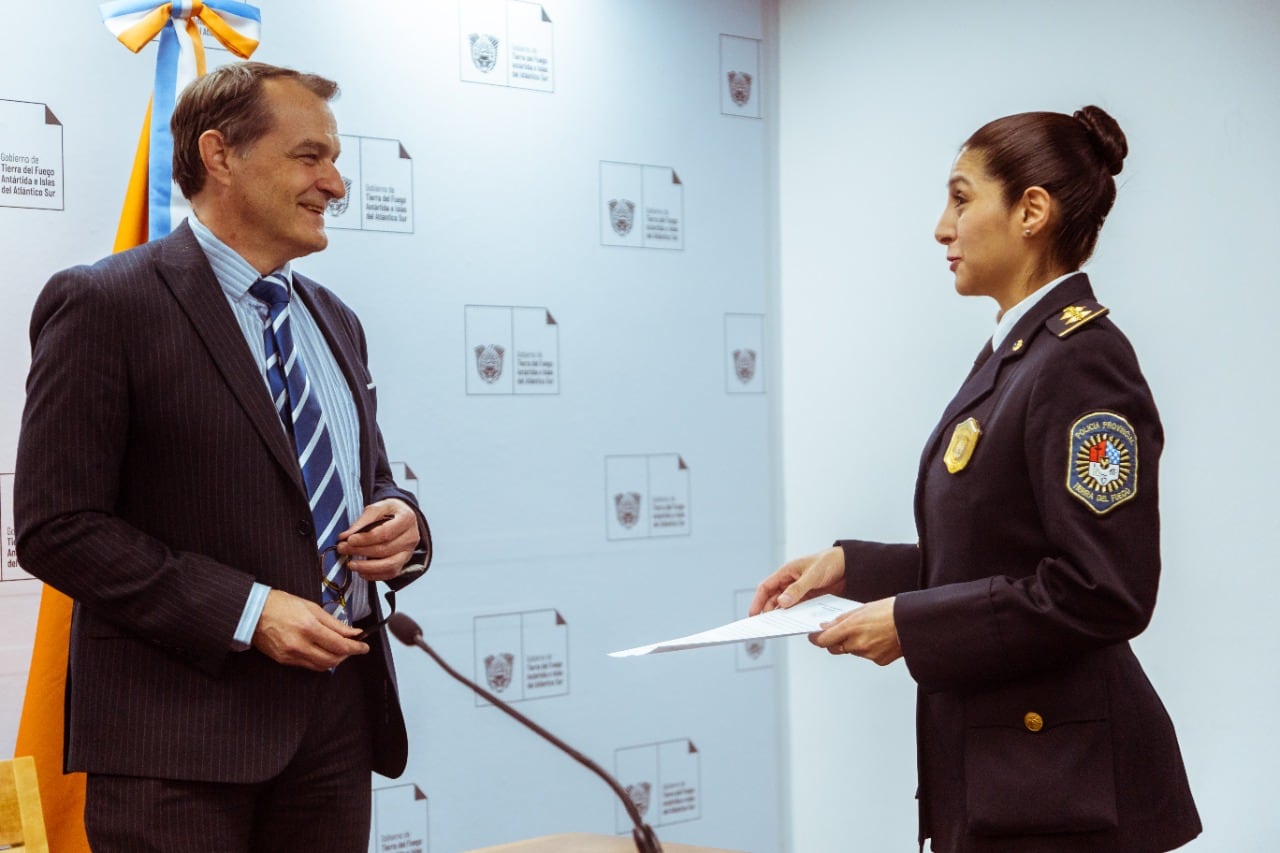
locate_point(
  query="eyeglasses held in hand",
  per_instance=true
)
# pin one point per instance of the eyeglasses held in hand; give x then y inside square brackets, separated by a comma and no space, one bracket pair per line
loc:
[340,589]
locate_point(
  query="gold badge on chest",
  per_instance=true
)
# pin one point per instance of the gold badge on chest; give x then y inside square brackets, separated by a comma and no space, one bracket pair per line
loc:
[963,441]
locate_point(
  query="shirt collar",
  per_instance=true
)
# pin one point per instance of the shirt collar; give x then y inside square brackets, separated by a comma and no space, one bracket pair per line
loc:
[235,275]
[1010,318]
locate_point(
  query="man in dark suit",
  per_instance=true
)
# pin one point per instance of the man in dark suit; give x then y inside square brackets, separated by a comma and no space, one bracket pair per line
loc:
[216,698]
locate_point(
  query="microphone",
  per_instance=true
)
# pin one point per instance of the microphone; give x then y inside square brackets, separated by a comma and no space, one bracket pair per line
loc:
[408,632]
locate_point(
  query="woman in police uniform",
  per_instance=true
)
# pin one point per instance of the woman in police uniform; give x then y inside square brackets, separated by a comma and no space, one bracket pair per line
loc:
[1039,532]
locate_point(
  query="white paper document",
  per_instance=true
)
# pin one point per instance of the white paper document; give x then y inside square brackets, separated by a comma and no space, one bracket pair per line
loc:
[805,618]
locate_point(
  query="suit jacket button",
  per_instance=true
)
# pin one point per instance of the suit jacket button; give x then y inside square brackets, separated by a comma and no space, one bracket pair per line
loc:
[305,528]
[1033,721]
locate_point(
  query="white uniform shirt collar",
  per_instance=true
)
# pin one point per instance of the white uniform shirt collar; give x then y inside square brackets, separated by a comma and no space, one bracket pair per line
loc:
[1011,317]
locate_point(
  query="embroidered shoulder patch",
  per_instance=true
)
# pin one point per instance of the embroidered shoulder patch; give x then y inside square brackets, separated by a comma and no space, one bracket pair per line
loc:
[1102,467]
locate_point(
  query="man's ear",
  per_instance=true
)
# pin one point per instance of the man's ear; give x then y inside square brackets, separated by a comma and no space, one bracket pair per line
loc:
[1035,209]
[215,154]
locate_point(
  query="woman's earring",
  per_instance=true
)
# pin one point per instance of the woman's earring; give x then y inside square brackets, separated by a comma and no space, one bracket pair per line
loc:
[1026,232]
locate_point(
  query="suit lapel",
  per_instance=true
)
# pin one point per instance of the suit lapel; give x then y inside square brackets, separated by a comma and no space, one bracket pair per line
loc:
[185,270]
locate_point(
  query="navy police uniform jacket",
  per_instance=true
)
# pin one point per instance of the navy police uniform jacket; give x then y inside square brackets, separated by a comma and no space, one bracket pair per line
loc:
[1038,560]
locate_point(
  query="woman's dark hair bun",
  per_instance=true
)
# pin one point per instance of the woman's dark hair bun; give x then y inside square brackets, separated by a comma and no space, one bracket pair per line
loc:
[1106,135]
[1074,158]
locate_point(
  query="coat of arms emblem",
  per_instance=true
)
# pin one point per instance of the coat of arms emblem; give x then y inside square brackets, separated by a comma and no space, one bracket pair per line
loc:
[498,669]
[338,206]
[622,214]
[1104,461]
[740,87]
[484,51]
[639,795]
[627,506]
[489,361]
[744,365]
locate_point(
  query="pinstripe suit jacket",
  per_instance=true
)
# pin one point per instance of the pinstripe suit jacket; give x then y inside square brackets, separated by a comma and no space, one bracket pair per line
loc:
[154,485]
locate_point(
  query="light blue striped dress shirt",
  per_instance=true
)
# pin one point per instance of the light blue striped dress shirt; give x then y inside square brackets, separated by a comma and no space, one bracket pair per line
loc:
[236,276]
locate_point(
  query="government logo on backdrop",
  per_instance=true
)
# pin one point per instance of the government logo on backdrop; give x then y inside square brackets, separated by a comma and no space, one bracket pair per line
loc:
[484,51]
[744,365]
[640,795]
[622,214]
[627,506]
[498,669]
[489,361]
[338,206]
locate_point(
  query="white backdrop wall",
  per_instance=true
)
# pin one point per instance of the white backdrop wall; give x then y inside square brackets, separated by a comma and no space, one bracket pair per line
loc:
[504,216]
[875,99]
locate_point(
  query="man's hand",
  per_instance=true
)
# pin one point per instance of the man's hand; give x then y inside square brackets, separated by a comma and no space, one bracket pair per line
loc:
[297,632]
[380,553]
[805,577]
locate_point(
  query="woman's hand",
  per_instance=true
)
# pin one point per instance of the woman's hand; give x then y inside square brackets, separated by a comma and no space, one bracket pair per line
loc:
[806,577]
[868,632]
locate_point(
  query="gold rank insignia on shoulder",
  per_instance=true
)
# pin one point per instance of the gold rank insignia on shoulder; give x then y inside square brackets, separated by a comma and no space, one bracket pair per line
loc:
[963,440]
[1074,316]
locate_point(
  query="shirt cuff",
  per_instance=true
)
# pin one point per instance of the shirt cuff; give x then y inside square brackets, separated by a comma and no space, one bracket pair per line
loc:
[249,618]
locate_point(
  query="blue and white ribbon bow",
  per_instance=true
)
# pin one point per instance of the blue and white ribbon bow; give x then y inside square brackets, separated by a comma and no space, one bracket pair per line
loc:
[179,61]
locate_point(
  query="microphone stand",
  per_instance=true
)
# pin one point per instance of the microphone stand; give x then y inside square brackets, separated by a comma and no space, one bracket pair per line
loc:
[408,632]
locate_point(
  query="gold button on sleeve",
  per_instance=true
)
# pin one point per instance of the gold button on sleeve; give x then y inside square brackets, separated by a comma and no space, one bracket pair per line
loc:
[1033,721]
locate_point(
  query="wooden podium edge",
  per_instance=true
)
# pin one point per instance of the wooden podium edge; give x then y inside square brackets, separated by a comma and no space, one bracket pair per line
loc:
[27,799]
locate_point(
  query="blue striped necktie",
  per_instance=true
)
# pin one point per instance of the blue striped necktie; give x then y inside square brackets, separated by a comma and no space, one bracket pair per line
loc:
[300,412]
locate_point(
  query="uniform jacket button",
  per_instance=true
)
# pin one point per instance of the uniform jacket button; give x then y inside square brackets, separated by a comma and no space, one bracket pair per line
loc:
[1033,721]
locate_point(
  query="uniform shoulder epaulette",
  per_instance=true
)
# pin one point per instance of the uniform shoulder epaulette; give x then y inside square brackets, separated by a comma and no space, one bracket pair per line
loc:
[1074,316]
